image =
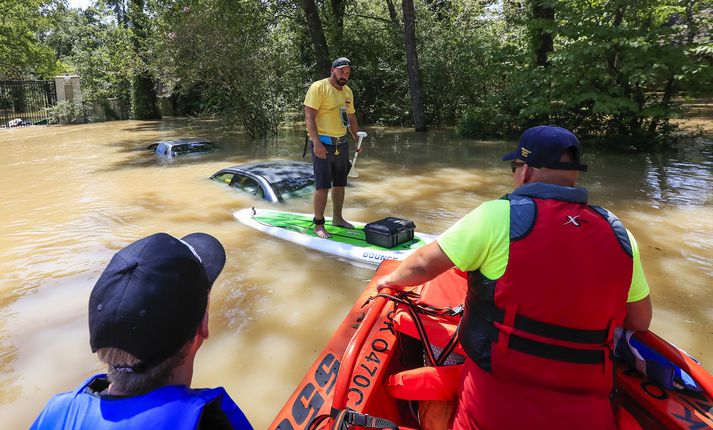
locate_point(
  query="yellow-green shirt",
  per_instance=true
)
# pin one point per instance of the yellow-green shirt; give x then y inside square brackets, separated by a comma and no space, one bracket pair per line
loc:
[330,104]
[481,240]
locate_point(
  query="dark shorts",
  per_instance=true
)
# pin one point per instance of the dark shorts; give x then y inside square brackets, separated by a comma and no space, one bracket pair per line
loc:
[333,170]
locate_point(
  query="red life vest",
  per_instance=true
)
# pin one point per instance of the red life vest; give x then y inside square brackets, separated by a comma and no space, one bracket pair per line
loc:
[549,320]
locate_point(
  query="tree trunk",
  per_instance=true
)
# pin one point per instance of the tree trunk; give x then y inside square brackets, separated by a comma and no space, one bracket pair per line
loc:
[392,12]
[668,94]
[143,91]
[414,78]
[319,42]
[544,14]
[338,8]
[119,12]
[691,24]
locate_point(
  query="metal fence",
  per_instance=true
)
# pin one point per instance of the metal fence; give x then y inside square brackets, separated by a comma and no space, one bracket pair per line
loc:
[24,103]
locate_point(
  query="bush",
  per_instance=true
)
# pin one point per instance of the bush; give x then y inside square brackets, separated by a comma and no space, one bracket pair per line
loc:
[69,112]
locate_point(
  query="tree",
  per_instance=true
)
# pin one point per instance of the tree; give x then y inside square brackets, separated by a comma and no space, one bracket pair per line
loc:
[91,44]
[319,42]
[143,89]
[393,16]
[338,9]
[600,67]
[22,53]
[616,68]
[119,9]
[543,14]
[414,77]
[233,53]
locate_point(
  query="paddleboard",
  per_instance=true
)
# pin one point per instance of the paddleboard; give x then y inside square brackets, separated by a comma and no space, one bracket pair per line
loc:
[346,243]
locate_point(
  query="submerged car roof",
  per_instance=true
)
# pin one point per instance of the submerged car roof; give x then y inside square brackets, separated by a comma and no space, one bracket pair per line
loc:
[183,140]
[276,171]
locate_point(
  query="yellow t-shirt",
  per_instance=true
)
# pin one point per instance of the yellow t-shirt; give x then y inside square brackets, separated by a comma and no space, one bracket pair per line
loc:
[332,106]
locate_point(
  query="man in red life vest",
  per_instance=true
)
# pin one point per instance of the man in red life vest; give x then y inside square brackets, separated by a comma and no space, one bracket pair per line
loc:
[549,277]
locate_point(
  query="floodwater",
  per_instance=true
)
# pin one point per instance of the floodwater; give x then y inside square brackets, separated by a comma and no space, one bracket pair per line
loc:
[72,196]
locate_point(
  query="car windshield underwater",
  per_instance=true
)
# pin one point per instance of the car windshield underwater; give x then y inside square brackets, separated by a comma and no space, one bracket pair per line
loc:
[274,181]
[189,148]
[175,147]
[294,187]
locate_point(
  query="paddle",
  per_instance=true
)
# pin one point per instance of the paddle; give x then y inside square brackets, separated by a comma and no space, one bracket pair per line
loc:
[353,172]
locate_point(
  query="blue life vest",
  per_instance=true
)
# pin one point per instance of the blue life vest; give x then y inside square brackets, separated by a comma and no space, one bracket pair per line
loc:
[169,407]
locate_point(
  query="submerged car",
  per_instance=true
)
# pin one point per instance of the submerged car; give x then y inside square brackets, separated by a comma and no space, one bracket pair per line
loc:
[273,181]
[174,147]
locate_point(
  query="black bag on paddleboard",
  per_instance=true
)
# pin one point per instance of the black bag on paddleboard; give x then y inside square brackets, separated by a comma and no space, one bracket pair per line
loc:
[389,232]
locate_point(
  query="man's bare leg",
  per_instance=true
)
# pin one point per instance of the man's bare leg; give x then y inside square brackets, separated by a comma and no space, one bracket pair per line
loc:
[320,203]
[337,204]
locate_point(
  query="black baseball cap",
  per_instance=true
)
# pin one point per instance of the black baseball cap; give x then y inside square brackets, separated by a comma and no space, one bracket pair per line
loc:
[543,146]
[341,62]
[152,296]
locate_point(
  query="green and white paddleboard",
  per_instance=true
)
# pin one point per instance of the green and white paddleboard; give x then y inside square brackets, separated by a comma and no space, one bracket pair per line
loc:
[347,243]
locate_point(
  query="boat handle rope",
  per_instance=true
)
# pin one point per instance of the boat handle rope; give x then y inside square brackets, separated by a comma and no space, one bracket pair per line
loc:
[316,421]
[408,298]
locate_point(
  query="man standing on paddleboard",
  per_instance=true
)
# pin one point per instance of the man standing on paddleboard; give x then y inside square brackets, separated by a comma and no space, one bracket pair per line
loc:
[549,279]
[329,112]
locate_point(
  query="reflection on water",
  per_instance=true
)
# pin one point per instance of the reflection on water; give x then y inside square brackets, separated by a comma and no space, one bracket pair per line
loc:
[681,182]
[74,195]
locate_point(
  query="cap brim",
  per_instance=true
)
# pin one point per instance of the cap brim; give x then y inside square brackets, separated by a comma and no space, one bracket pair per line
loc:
[510,156]
[211,252]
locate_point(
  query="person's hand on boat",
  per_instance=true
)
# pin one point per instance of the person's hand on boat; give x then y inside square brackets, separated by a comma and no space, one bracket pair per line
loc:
[385,282]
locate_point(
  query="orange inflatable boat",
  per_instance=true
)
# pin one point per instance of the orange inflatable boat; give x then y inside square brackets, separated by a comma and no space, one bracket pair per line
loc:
[371,374]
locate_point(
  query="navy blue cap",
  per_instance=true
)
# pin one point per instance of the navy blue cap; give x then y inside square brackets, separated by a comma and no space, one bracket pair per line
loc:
[152,296]
[341,62]
[543,146]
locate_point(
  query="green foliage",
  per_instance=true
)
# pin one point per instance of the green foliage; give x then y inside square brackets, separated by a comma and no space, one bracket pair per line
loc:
[92,45]
[143,101]
[615,68]
[230,48]
[618,68]
[143,97]
[69,112]
[379,77]
[459,58]
[22,53]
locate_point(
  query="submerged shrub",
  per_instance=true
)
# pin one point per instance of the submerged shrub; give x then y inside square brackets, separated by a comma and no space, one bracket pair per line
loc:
[69,112]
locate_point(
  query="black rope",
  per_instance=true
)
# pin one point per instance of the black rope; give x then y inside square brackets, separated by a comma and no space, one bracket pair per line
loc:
[408,298]
[450,346]
[316,421]
[430,356]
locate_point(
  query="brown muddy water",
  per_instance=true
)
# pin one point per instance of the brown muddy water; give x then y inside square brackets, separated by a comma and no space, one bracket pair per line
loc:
[72,196]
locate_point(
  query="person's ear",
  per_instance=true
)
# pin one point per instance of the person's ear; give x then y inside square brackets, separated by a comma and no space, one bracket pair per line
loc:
[203,328]
[527,173]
